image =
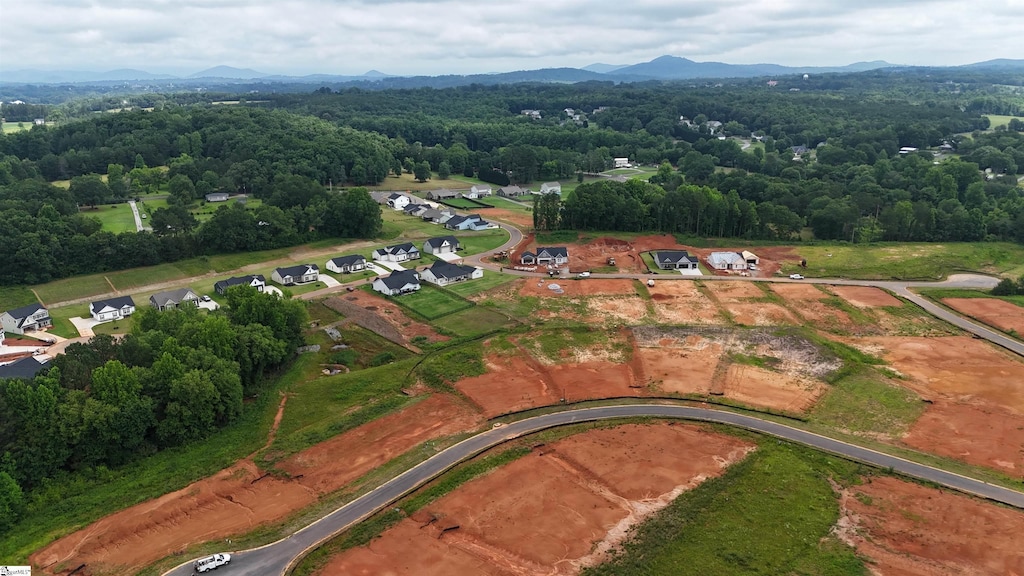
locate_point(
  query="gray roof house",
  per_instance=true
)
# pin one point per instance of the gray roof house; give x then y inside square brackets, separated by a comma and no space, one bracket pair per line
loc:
[27,318]
[512,191]
[551,255]
[173,298]
[257,281]
[444,273]
[217,197]
[25,368]
[478,191]
[551,188]
[441,245]
[675,260]
[112,308]
[397,253]
[301,274]
[398,282]
[726,261]
[443,194]
[345,264]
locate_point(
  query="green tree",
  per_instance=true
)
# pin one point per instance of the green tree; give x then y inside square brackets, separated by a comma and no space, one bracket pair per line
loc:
[444,170]
[547,212]
[11,502]
[183,192]
[422,171]
[89,190]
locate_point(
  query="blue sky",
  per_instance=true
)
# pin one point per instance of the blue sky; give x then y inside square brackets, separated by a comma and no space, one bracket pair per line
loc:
[461,37]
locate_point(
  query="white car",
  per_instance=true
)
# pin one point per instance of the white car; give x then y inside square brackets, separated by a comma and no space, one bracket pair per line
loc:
[211,562]
[796,277]
[583,275]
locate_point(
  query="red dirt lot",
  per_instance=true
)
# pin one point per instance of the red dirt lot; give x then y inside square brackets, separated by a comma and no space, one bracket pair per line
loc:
[682,302]
[759,387]
[231,503]
[510,385]
[999,313]
[617,309]
[806,300]
[572,287]
[907,529]
[761,314]
[662,366]
[591,380]
[865,296]
[595,254]
[393,314]
[770,258]
[553,511]
[984,435]
[727,291]
[520,219]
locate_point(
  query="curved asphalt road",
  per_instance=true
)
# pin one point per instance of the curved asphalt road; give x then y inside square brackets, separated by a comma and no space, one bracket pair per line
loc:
[276,558]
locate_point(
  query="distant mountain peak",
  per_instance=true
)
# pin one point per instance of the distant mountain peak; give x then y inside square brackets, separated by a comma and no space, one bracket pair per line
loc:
[375,74]
[602,68]
[228,72]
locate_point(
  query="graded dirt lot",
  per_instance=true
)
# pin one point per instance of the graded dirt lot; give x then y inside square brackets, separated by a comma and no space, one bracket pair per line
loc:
[233,501]
[374,306]
[591,380]
[728,291]
[999,313]
[759,387]
[552,511]
[520,219]
[745,302]
[984,435]
[595,253]
[683,302]
[908,529]
[689,370]
[571,287]
[619,309]
[808,302]
[865,296]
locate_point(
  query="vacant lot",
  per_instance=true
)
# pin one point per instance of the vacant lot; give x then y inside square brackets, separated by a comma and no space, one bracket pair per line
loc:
[1004,315]
[432,303]
[909,261]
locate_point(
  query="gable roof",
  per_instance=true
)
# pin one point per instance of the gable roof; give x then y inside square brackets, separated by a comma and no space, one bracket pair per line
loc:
[444,193]
[400,278]
[25,311]
[456,220]
[673,256]
[25,368]
[403,247]
[348,260]
[553,251]
[395,196]
[551,185]
[440,240]
[441,269]
[239,280]
[514,190]
[299,270]
[725,258]
[171,296]
[114,303]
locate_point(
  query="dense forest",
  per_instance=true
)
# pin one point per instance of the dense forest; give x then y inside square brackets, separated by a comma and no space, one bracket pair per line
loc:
[860,158]
[178,377]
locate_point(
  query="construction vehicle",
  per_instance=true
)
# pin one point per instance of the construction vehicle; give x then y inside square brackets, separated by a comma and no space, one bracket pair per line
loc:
[211,562]
[611,260]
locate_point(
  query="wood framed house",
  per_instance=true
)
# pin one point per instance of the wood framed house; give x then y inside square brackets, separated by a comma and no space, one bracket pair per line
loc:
[675,260]
[347,264]
[441,245]
[397,283]
[301,274]
[444,273]
[26,319]
[112,308]
[397,253]
[173,299]
[257,281]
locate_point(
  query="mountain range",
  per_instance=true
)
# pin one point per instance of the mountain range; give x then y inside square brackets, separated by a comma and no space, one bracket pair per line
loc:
[661,68]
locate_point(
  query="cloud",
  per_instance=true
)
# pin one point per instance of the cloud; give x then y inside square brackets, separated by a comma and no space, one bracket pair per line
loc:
[463,36]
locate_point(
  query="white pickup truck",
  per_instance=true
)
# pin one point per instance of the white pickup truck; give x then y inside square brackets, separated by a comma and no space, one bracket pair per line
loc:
[211,562]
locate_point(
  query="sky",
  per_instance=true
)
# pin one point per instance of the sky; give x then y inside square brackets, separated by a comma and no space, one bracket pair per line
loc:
[431,37]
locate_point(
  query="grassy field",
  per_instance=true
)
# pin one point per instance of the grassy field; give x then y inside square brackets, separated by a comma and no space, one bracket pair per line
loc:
[16,126]
[15,297]
[408,183]
[490,280]
[116,218]
[71,288]
[769,514]
[940,293]
[998,120]
[472,321]
[864,403]
[433,303]
[916,261]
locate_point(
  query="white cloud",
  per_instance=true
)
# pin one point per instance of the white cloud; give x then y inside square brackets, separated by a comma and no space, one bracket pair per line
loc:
[462,36]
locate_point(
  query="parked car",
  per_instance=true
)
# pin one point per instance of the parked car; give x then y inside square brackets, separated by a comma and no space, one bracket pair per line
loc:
[206,298]
[211,562]
[796,277]
[583,275]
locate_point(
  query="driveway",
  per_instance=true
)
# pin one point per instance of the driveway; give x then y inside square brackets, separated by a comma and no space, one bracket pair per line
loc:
[329,281]
[84,326]
[389,265]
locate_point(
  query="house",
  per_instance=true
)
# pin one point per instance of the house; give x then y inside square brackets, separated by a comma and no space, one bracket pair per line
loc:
[799,150]
[478,191]
[26,319]
[347,264]
[551,188]
[25,368]
[430,215]
[257,281]
[554,255]
[534,114]
[399,282]
[217,197]
[907,150]
[415,209]
[726,261]
[481,225]
[675,260]
[441,245]
[471,222]
[621,163]
[301,274]
[445,273]
[173,299]
[713,126]
[442,195]
[750,258]
[397,253]
[398,201]
[112,308]
[512,191]
[39,121]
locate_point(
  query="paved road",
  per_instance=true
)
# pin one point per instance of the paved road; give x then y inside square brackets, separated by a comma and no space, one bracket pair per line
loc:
[275,558]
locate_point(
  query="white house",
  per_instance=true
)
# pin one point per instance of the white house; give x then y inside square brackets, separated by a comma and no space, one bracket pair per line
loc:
[726,261]
[478,191]
[112,308]
[398,201]
[173,299]
[621,163]
[301,274]
[346,264]
[675,260]
[399,282]
[397,253]
[257,281]
[441,245]
[26,319]
[750,258]
[553,255]
[217,197]
[445,273]
[551,188]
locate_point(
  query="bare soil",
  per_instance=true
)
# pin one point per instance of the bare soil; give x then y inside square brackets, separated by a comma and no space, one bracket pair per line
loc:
[592,380]
[553,511]
[679,370]
[571,287]
[771,258]
[908,529]
[242,497]
[983,434]
[393,314]
[759,387]
[999,313]
[522,220]
[727,292]
[865,296]
[761,314]
[682,302]
[618,309]
[807,301]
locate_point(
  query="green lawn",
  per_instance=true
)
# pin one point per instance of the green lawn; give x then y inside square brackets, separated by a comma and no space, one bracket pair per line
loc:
[472,321]
[123,326]
[490,280]
[864,403]
[72,288]
[62,325]
[770,514]
[432,303]
[998,120]
[408,183]
[116,218]
[15,297]
[911,261]
[16,126]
